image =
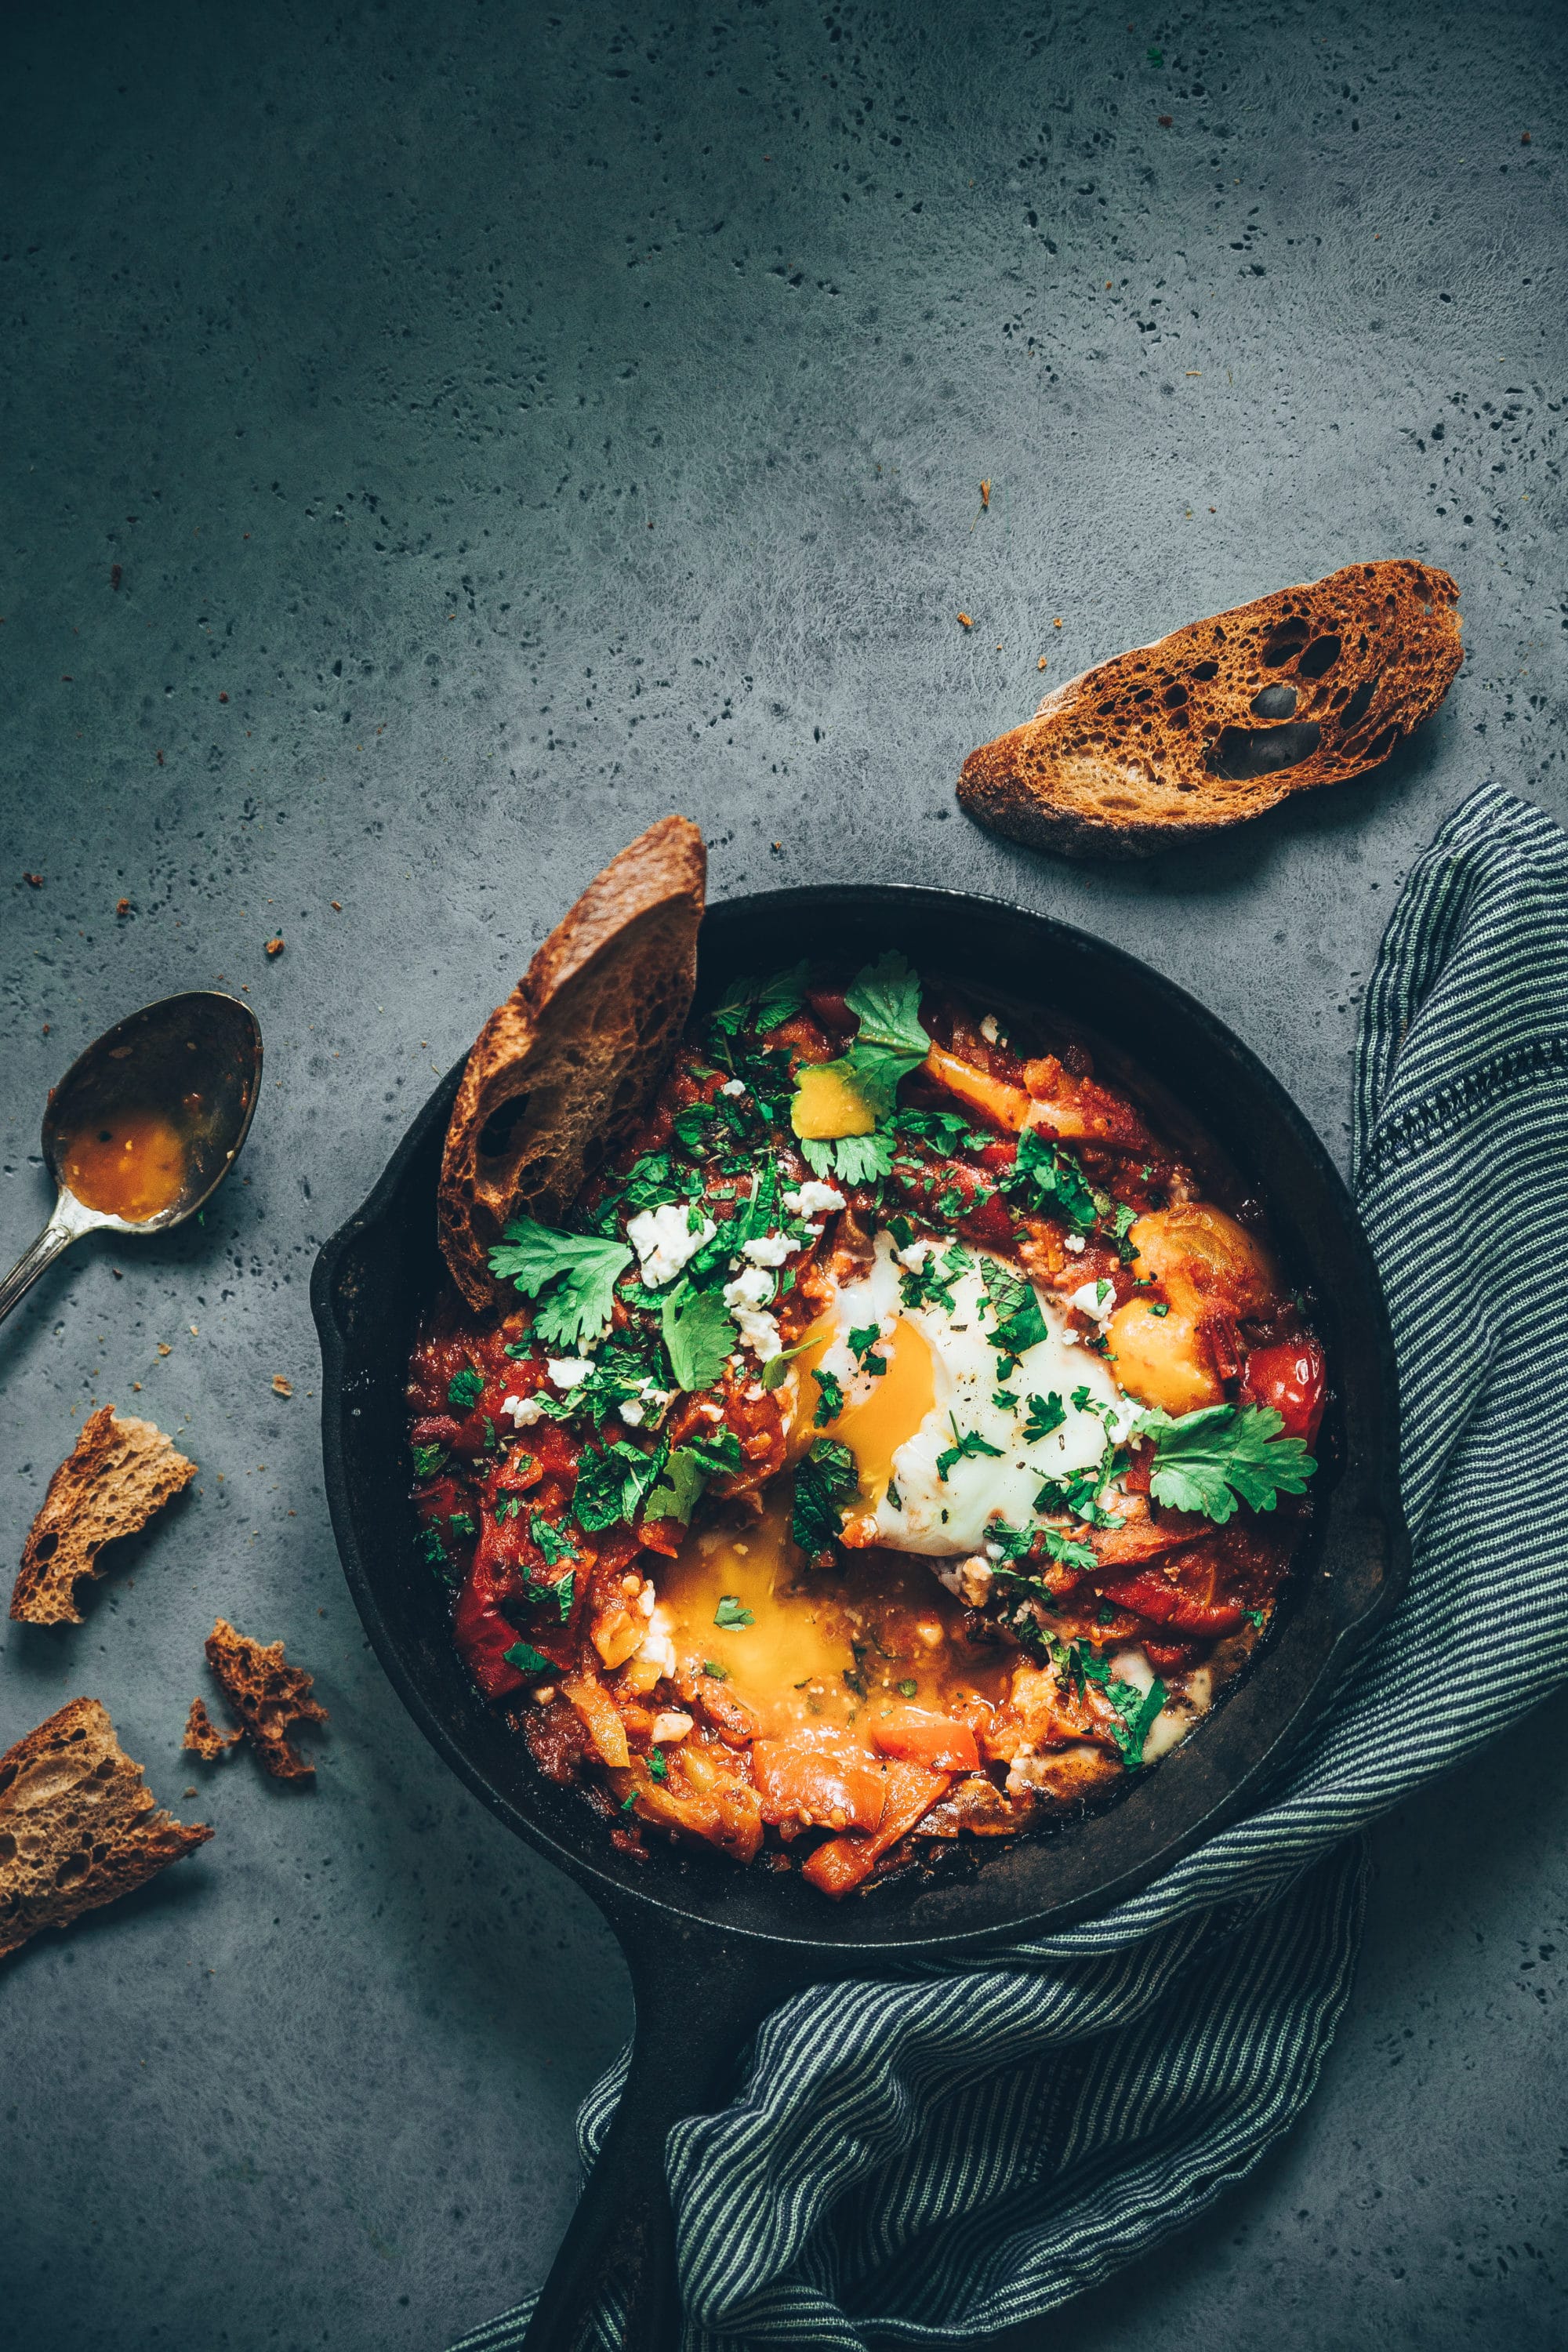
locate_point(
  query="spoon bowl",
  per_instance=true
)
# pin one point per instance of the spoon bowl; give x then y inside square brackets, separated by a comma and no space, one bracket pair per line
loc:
[145,1124]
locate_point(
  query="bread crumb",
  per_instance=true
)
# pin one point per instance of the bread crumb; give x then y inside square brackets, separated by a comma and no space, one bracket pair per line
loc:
[275,947]
[337,906]
[1041,662]
[164,1349]
[964,622]
[1056,625]
[34,881]
[122,906]
[280,1387]
[985,496]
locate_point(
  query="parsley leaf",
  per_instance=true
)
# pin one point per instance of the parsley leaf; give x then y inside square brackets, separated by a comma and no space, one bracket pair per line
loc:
[965,1447]
[1051,1178]
[730,1616]
[1134,1709]
[825,1477]
[657,1768]
[854,1159]
[886,1000]
[527,1659]
[699,1334]
[561,1593]
[863,1338]
[1203,1461]
[466,1388]
[571,1278]
[1019,1322]
[1045,1413]
[1068,1553]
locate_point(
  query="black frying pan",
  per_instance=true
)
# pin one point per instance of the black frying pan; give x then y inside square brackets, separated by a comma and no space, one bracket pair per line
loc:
[711,1948]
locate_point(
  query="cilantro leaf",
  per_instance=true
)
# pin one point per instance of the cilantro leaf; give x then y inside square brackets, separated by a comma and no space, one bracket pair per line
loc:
[1069,1554]
[774,999]
[1045,1413]
[699,1334]
[825,1477]
[1051,1178]
[886,1000]
[863,1338]
[966,1446]
[572,1277]
[657,1765]
[527,1659]
[1134,1709]
[684,1479]
[466,1388]
[830,1404]
[854,1159]
[1204,1460]
[730,1616]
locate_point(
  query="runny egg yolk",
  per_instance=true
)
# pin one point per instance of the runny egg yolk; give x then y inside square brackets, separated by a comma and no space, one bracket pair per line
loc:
[826,1106]
[893,1409]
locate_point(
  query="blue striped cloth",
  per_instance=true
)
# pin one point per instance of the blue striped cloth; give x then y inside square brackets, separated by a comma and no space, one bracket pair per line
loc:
[930,2159]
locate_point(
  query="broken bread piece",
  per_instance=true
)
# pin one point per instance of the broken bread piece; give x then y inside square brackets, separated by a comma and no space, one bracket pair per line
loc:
[266,1694]
[561,1073]
[120,1473]
[78,1826]
[202,1737]
[1224,718]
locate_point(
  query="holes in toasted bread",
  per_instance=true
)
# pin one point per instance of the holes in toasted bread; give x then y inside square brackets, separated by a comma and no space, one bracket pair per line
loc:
[75,1865]
[1381,746]
[1274,702]
[46,1546]
[1319,658]
[1174,696]
[1205,669]
[498,1131]
[1359,704]
[1243,754]
[1282,642]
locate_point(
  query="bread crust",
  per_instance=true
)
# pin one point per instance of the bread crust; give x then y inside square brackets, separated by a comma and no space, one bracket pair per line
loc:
[117,1475]
[561,1073]
[1167,744]
[78,1826]
[266,1696]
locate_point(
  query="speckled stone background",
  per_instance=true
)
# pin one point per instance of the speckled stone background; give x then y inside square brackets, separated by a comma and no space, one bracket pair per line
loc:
[435,442]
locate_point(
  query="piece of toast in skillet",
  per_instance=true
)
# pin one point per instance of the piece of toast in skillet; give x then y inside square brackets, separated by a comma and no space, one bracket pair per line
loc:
[562,1071]
[1222,720]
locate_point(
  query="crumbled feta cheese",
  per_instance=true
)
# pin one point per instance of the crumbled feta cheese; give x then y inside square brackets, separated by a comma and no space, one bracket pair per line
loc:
[657,1645]
[988,1028]
[647,1601]
[733,1086]
[1095,1299]
[524,1411]
[814,1199]
[663,1240]
[1074,1242]
[670,1726]
[755,1287]
[974,1579]
[759,1330]
[768,1249]
[631,1411]
[568,1371]
[543,1694]
[915,1256]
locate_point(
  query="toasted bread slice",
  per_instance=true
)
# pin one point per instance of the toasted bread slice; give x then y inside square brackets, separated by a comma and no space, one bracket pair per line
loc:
[78,1827]
[559,1075]
[266,1694]
[1224,718]
[119,1473]
[202,1737]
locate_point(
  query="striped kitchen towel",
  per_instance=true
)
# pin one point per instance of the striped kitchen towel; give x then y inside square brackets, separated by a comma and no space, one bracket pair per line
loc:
[930,2159]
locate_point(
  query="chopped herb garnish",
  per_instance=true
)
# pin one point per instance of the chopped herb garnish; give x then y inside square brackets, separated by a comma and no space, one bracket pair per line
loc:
[527,1659]
[553,1541]
[907,1689]
[1205,1460]
[614,1483]
[966,1444]
[714,1670]
[1046,1177]
[427,1459]
[1045,1413]
[1019,1322]
[730,1616]
[571,1278]
[657,1770]
[463,1521]
[825,1477]
[699,1335]
[465,1388]
[830,1404]
[684,1478]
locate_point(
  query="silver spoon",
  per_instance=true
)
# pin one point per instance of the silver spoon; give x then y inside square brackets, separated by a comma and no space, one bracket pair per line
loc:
[145,1124]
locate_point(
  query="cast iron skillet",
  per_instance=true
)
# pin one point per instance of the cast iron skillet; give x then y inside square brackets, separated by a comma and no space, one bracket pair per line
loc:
[711,1947]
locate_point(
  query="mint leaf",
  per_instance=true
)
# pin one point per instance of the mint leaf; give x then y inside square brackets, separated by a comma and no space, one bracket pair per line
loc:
[613,1483]
[561,1593]
[553,1541]
[699,1334]
[1204,1460]
[830,1404]
[465,1388]
[527,1659]
[825,1477]
[427,1459]
[572,1277]
[730,1616]
[774,999]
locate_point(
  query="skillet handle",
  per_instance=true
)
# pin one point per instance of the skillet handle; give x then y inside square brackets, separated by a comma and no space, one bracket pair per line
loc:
[699,1999]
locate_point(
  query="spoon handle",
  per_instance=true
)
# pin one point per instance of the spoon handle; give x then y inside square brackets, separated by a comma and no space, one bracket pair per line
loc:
[56,1236]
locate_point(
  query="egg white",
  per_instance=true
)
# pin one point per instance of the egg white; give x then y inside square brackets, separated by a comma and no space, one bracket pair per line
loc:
[949,1515]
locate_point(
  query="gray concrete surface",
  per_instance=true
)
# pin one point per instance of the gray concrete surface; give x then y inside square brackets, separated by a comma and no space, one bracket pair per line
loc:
[530,423]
